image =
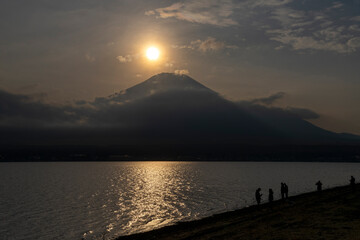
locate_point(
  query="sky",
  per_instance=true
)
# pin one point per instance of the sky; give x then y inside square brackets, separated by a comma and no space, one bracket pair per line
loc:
[297,54]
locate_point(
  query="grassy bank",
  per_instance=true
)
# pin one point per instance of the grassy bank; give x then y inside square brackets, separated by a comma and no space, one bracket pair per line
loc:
[330,214]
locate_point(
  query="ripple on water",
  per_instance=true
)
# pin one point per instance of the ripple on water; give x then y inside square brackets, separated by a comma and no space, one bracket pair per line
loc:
[104,200]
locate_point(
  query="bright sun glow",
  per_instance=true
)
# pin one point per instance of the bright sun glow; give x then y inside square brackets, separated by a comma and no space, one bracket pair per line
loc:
[152,53]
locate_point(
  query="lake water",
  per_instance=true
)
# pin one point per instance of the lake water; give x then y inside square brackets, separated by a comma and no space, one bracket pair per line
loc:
[92,200]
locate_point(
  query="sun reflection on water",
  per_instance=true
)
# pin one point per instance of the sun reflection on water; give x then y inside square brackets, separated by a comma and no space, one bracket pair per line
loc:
[158,195]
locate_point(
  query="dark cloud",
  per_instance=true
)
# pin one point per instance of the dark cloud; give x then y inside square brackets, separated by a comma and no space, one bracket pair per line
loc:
[81,102]
[269,100]
[20,110]
[302,113]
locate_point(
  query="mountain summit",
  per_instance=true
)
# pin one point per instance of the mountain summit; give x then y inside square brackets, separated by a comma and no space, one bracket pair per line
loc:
[160,83]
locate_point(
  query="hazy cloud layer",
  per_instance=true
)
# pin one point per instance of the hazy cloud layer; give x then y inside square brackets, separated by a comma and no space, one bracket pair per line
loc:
[90,58]
[208,44]
[213,12]
[127,58]
[181,71]
[303,113]
[325,29]
[276,3]
[356,18]
[269,100]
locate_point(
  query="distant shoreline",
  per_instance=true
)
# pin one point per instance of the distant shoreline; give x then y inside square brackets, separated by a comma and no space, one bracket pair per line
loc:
[183,152]
[172,160]
[331,214]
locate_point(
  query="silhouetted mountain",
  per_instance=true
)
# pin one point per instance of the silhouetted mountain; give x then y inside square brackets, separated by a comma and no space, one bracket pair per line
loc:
[350,136]
[166,117]
[167,108]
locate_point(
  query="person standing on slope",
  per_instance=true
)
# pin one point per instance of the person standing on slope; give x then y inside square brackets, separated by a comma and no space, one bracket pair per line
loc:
[271,195]
[258,196]
[319,186]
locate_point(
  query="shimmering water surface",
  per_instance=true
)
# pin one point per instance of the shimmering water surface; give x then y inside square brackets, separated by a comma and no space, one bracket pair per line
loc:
[96,200]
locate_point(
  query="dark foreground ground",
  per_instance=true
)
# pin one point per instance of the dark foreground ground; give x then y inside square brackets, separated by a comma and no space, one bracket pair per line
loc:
[330,214]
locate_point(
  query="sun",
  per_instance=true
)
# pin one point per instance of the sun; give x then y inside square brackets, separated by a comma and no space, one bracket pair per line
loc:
[152,53]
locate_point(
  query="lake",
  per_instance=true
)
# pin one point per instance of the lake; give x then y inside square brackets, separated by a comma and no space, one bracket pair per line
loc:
[96,200]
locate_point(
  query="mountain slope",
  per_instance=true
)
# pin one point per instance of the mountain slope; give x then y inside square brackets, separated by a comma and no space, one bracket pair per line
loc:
[157,84]
[288,124]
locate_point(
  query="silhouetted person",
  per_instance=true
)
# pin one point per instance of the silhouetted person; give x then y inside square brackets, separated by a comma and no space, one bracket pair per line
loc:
[258,196]
[271,195]
[286,190]
[352,181]
[319,186]
[282,190]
